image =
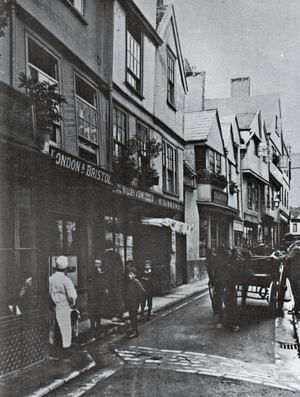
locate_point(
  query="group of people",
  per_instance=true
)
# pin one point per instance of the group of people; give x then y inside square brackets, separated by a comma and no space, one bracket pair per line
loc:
[111,291]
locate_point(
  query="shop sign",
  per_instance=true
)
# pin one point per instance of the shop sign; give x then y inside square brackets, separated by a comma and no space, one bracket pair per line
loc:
[134,193]
[147,197]
[163,202]
[80,166]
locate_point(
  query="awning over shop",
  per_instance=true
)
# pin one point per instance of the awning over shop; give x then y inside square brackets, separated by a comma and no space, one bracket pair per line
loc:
[176,226]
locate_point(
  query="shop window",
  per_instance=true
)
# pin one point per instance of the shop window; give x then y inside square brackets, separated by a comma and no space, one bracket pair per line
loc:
[171,77]
[294,227]
[18,262]
[142,135]
[120,232]
[43,66]
[170,168]
[134,56]
[87,122]
[119,132]
[65,241]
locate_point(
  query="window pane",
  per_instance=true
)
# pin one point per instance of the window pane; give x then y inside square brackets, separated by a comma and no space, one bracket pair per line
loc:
[42,59]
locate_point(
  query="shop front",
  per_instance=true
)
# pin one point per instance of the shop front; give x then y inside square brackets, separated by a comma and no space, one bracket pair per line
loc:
[138,240]
[251,229]
[23,311]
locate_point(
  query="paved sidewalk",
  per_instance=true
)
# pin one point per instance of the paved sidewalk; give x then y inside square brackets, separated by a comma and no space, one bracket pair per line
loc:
[52,373]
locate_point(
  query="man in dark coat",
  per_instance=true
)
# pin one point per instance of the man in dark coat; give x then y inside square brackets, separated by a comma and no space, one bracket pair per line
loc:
[97,294]
[113,271]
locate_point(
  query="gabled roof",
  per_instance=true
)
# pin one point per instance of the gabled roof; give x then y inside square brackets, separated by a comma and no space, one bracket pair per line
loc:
[197,125]
[245,120]
[162,24]
[228,139]
[267,103]
[232,119]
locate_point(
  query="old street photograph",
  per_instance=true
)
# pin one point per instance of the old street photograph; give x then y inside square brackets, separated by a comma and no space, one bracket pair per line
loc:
[149,198]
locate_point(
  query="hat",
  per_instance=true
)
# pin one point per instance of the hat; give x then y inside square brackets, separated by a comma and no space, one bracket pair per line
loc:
[148,261]
[62,262]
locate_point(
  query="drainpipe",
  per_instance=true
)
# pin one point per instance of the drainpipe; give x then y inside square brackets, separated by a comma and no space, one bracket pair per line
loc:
[110,80]
[12,43]
[227,190]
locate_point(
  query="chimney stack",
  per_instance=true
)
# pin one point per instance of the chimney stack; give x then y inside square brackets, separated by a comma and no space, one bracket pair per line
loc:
[240,87]
[196,94]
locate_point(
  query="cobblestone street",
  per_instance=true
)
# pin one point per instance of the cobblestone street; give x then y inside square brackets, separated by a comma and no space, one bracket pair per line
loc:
[202,364]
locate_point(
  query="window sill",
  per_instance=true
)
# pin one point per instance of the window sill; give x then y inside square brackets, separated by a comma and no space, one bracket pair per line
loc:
[136,92]
[171,105]
[76,12]
[170,193]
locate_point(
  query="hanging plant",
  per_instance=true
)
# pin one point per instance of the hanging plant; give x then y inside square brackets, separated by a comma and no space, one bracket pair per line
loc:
[125,167]
[46,100]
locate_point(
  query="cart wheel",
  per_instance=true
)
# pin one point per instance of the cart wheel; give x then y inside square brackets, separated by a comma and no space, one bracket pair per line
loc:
[211,289]
[274,300]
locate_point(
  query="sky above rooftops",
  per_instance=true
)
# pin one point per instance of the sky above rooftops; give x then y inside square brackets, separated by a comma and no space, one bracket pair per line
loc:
[241,38]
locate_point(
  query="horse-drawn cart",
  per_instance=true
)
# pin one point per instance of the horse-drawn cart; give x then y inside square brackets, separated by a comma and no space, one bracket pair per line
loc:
[261,278]
[256,277]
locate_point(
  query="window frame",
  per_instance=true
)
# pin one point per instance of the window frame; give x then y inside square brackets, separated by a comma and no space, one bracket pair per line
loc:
[171,62]
[170,174]
[84,143]
[57,126]
[136,35]
[295,227]
[143,161]
[214,160]
[116,142]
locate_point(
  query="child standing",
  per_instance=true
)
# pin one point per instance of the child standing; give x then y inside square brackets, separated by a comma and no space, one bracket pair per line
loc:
[147,283]
[135,291]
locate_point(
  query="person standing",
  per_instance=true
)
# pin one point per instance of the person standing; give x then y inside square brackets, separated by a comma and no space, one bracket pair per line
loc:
[135,292]
[147,283]
[97,294]
[63,295]
[113,271]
